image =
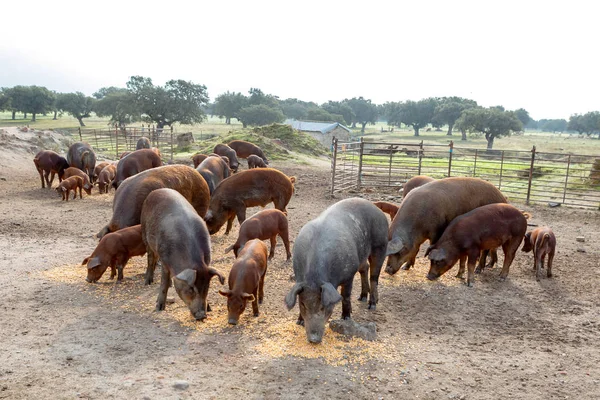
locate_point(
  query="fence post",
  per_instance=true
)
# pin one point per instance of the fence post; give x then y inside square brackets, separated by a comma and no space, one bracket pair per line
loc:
[334,145]
[80,138]
[117,140]
[390,167]
[420,156]
[566,178]
[501,170]
[360,161]
[171,144]
[450,158]
[530,175]
[96,137]
[475,164]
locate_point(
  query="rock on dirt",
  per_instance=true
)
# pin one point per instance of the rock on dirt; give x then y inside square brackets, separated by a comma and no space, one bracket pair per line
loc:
[181,385]
[580,238]
[349,327]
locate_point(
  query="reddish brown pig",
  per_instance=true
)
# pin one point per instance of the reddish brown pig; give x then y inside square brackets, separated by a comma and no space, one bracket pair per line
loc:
[73,183]
[134,163]
[251,188]
[173,232]
[48,162]
[213,169]
[426,212]
[244,149]
[143,143]
[106,177]
[125,153]
[72,171]
[224,150]
[198,158]
[263,225]
[81,155]
[98,169]
[255,162]
[543,243]
[127,204]
[246,280]
[415,182]
[387,207]
[114,251]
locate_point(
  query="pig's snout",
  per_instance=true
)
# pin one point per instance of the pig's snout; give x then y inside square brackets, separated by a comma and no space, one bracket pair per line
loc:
[315,338]
[232,321]
[200,316]
[432,277]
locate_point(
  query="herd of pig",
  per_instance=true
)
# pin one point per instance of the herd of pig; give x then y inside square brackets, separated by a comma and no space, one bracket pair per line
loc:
[169,213]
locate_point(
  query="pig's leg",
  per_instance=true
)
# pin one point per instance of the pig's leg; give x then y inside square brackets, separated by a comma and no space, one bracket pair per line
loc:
[241,214]
[510,248]
[150,269]
[51,179]
[120,267]
[300,320]
[255,304]
[42,177]
[261,288]
[273,243]
[165,282]
[286,242]
[411,257]
[539,264]
[471,261]
[550,258]
[364,282]
[68,194]
[481,265]
[493,258]
[461,268]
[376,260]
[80,196]
[113,270]
[229,224]
[346,301]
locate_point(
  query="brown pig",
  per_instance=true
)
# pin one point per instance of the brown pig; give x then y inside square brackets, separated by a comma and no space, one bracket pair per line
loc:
[107,175]
[246,280]
[250,188]
[72,183]
[224,150]
[48,162]
[99,167]
[244,149]
[173,232]
[543,243]
[213,169]
[134,163]
[387,207]
[72,171]
[114,251]
[484,228]
[263,225]
[415,182]
[125,153]
[143,143]
[255,162]
[198,158]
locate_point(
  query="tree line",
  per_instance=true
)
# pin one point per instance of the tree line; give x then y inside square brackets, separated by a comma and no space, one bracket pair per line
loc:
[185,102]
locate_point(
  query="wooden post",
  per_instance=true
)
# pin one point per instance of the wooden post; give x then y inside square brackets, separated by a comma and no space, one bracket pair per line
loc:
[450,158]
[566,178]
[475,164]
[334,162]
[171,144]
[80,138]
[360,161]
[501,169]
[96,137]
[530,175]
[117,140]
[420,156]
[390,167]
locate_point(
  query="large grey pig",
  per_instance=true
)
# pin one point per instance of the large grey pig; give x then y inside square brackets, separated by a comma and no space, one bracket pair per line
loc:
[81,155]
[349,236]
[173,232]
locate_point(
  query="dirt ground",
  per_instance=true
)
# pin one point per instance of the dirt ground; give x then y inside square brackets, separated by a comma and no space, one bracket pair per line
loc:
[65,338]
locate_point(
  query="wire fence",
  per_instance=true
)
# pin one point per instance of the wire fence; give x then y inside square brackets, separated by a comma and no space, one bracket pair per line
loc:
[529,176]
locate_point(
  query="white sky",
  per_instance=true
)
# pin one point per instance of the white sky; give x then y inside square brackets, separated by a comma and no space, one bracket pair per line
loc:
[539,55]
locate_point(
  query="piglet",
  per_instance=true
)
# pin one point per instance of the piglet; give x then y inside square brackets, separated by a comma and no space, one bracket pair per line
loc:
[72,171]
[543,243]
[73,183]
[246,280]
[255,161]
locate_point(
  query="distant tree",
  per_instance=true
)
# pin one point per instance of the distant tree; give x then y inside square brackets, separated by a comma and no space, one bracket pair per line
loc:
[19,96]
[294,110]
[318,114]
[449,110]
[412,113]
[39,100]
[4,100]
[178,101]
[576,123]
[228,104]
[76,104]
[118,104]
[492,122]
[258,97]
[553,125]
[591,121]
[523,116]
[343,109]
[260,114]
[364,112]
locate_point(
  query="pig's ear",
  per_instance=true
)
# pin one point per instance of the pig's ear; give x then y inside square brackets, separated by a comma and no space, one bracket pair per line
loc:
[93,262]
[188,276]
[248,296]
[208,216]
[329,295]
[394,246]
[437,254]
[85,260]
[290,298]
[225,292]
[214,272]
[428,250]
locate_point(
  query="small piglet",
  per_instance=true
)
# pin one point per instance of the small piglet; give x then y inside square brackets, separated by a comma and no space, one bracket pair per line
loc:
[114,250]
[72,171]
[246,280]
[263,225]
[255,161]
[543,243]
[72,183]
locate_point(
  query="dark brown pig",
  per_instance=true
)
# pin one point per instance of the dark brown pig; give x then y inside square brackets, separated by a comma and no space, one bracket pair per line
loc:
[134,163]
[72,171]
[349,237]
[415,182]
[107,175]
[426,212]
[81,155]
[263,225]
[48,162]
[255,162]
[114,251]
[213,170]
[224,150]
[246,280]
[198,158]
[73,183]
[387,207]
[484,228]
[173,232]
[99,167]
[251,188]
[143,143]
[244,149]
[127,204]
[543,243]
[125,153]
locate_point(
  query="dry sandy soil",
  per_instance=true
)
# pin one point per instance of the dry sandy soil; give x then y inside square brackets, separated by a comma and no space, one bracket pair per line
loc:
[65,338]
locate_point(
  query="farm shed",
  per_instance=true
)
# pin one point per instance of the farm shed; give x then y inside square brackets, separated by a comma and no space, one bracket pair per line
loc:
[322,131]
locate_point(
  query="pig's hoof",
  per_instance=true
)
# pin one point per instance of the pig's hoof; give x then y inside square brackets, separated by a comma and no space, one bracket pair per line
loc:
[362,298]
[502,279]
[460,276]
[469,284]
[208,308]
[160,306]
[118,282]
[289,257]
[490,265]
[270,258]
[405,267]
[372,306]
[478,270]
[260,301]
[346,317]
[256,314]
[300,322]
[549,275]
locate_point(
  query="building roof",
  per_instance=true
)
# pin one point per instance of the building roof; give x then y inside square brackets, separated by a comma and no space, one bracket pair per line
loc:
[310,126]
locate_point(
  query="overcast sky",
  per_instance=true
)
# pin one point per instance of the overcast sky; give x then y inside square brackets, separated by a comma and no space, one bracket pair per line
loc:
[539,55]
